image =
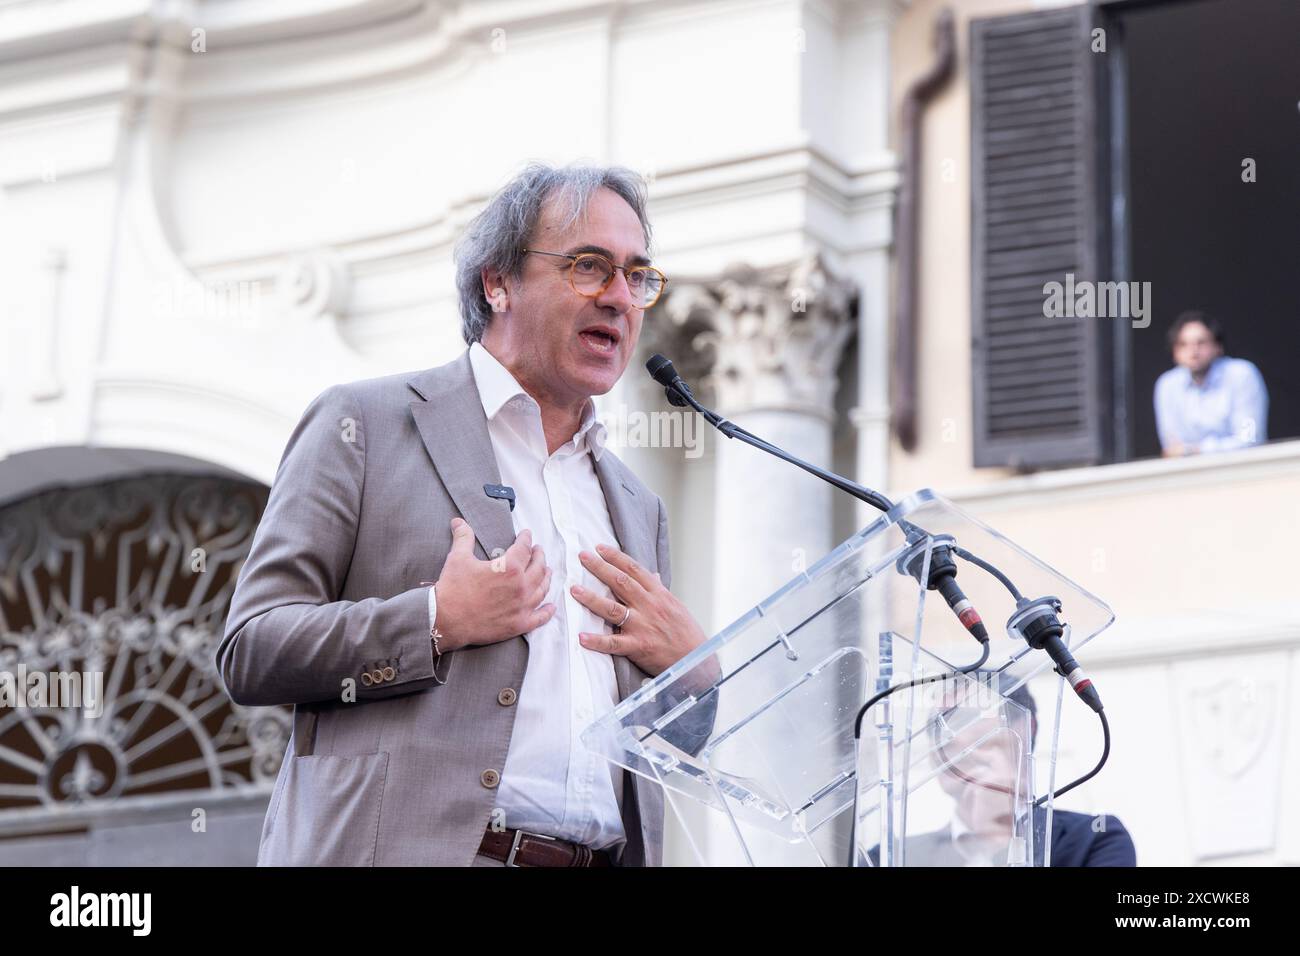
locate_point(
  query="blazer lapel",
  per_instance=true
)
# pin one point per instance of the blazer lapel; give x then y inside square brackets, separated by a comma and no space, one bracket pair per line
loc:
[453,427]
[623,506]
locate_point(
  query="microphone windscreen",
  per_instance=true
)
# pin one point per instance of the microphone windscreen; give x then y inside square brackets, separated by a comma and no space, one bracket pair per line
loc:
[661,370]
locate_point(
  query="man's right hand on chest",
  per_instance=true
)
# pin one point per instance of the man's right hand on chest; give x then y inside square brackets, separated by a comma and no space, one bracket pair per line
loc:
[483,602]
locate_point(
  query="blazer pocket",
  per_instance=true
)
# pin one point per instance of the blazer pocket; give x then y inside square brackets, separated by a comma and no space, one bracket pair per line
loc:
[328,812]
[304,729]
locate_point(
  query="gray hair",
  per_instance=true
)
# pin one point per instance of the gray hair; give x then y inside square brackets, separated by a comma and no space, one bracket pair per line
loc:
[493,239]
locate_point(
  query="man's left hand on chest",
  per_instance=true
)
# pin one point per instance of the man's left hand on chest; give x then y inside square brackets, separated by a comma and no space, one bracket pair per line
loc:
[657,633]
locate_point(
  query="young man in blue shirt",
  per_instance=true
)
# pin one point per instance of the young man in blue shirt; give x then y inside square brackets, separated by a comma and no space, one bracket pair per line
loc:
[1208,401]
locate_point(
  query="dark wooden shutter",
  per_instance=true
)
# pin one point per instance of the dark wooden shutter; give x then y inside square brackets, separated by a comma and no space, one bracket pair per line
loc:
[1039,396]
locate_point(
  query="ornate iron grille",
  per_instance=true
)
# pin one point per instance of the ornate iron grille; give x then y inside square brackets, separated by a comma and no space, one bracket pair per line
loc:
[130,579]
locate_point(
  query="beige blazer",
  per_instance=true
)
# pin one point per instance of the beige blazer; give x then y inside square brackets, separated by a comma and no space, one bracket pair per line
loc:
[358,516]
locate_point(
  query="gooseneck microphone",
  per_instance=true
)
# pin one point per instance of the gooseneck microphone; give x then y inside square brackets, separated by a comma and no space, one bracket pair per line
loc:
[943,578]
[1034,621]
[1040,627]
[943,569]
[679,394]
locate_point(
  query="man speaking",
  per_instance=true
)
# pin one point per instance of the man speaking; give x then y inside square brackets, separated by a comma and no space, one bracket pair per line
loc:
[438,724]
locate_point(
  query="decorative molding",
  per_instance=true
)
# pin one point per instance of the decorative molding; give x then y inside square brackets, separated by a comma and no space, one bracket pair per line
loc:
[857,14]
[881,13]
[769,338]
[307,47]
[212,421]
[1232,720]
[39,28]
[314,285]
[29,473]
[45,356]
[1229,731]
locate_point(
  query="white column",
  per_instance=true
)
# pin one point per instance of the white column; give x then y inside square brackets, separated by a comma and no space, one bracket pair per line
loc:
[772,340]
[777,340]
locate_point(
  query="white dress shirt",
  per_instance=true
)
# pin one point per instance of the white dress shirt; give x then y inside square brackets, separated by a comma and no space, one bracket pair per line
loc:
[551,782]
[976,849]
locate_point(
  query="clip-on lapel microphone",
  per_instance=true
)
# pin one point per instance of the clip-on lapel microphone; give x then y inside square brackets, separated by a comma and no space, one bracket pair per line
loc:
[504,492]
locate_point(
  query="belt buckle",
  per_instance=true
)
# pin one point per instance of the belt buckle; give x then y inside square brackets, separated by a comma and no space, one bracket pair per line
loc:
[514,845]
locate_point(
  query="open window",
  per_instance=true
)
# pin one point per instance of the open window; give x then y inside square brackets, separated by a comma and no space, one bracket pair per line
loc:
[1134,141]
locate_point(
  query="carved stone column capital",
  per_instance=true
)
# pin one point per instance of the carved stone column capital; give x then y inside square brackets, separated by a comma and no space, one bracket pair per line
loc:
[760,338]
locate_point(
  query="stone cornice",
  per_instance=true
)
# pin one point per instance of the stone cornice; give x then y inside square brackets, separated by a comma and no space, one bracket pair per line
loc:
[870,184]
[255,49]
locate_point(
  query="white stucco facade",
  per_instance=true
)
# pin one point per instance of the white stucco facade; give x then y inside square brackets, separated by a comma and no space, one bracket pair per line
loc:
[210,211]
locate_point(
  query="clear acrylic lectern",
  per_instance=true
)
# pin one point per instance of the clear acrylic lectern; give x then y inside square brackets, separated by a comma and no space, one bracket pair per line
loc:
[751,736]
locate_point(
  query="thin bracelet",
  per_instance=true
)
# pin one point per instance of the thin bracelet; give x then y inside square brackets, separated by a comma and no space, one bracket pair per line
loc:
[434,634]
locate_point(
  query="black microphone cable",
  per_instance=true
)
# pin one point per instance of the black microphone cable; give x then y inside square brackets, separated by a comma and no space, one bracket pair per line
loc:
[862,712]
[1105,754]
[917,682]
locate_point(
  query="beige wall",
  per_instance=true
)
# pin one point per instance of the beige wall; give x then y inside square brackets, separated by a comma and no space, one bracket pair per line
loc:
[1158,538]
[1195,669]
[943,452]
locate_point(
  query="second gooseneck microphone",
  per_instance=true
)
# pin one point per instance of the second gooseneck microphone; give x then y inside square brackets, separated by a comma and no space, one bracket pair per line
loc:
[942,570]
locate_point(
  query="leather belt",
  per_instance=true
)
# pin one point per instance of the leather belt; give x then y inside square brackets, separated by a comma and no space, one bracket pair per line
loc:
[521,848]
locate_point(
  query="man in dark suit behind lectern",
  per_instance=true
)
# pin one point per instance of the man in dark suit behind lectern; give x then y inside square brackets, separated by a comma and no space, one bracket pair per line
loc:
[979,832]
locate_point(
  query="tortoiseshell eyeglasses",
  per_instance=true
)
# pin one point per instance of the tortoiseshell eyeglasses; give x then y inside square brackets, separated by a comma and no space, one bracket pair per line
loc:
[590,274]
